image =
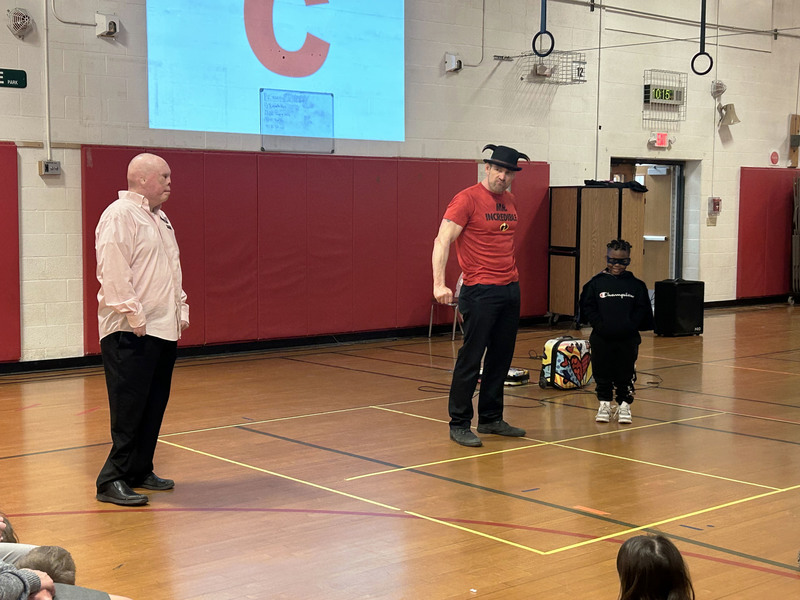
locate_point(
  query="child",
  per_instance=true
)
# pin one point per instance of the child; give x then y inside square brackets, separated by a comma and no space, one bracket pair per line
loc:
[652,568]
[617,306]
[53,560]
[7,534]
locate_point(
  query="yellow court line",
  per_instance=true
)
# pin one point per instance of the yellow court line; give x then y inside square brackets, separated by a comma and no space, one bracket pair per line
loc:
[662,466]
[538,444]
[724,412]
[429,398]
[445,461]
[250,423]
[354,497]
[478,533]
[667,359]
[670,520]
[282,476]
[472,531]
[631,428]
[303,416]
[716,363]
[406,414]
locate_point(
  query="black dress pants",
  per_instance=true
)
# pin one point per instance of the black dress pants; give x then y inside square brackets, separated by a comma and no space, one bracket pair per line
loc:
[138,377]
[491,319]
[613,365]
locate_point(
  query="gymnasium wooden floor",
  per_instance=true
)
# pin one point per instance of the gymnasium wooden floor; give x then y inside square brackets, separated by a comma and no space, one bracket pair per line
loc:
[327,472]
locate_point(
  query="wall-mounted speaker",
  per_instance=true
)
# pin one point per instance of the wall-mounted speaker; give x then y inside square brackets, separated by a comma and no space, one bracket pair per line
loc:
[679,307]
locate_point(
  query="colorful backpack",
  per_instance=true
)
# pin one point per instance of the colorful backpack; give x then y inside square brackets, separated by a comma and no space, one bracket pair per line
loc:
[566,363]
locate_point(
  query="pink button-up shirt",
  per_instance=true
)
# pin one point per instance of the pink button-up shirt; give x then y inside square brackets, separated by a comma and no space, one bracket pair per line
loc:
[139,270]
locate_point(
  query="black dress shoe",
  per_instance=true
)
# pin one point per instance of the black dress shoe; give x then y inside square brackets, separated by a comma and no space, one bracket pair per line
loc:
[154,482]
[119,492]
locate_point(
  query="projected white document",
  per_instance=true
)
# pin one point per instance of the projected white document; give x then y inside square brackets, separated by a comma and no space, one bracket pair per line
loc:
[208,62]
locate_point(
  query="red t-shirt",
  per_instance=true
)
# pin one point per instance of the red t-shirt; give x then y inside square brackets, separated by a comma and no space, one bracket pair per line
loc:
[485,248]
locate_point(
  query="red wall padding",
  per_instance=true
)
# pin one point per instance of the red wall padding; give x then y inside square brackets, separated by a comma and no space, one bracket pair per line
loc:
[282,247]
[766,205]
[231,256]
[10,339]
[278,246]
[375,251]
[329,181]
[532,189]
[418,219]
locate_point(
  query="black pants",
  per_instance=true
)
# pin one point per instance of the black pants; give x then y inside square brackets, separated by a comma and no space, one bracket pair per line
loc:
[138,377]
[491,319]
[613,365]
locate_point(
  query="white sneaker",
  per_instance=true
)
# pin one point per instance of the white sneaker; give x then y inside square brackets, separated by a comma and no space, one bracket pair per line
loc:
[603,413]
[624,413]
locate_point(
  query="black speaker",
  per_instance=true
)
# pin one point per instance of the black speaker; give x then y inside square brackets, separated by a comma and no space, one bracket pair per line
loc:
[679,307]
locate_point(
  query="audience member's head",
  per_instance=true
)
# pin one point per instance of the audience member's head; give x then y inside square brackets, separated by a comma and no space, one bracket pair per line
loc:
[53,560]
[7,533]
[650,567]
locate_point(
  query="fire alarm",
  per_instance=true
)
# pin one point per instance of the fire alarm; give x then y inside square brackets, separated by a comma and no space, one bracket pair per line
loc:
[714,206]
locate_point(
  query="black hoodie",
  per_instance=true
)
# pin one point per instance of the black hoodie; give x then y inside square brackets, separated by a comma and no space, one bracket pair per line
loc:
[616,306]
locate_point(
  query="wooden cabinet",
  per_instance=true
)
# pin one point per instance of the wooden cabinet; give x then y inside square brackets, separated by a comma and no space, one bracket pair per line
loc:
[582,221]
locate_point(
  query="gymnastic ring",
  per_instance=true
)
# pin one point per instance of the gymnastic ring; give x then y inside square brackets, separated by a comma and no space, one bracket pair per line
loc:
[710,63]
[552,43]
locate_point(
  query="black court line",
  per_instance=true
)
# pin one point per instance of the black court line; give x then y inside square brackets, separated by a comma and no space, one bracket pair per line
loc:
[54,451]
[367,371]
[724,397]
[514,496]
[550,398]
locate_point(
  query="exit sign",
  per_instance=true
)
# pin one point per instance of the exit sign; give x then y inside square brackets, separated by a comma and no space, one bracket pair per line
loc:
[662,140]
[13,78]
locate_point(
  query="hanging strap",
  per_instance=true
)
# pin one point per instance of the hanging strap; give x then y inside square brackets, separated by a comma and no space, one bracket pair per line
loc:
[702,44]
[543,33]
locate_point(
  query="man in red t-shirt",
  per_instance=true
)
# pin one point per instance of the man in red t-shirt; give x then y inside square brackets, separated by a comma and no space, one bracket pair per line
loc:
[481,221]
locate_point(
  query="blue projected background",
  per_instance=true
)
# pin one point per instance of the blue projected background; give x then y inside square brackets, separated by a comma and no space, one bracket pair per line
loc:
[208,62]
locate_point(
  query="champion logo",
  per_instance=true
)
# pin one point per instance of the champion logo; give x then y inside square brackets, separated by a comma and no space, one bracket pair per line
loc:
[622,295]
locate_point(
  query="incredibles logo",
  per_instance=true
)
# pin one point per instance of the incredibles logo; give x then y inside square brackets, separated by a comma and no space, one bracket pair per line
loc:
[259,25]
[504,227]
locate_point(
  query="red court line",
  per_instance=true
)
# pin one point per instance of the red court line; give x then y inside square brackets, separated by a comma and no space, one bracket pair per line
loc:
[619,541]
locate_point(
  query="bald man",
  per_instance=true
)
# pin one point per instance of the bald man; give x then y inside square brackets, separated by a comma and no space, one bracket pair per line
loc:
[141,312]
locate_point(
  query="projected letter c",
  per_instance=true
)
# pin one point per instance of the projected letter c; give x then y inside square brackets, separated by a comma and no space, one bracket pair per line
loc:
[258,23]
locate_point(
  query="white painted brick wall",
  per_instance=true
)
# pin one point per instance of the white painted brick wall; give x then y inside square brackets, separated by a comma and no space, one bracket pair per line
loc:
[98,93]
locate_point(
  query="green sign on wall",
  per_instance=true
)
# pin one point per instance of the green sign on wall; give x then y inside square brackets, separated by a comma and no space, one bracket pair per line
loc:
[13,78]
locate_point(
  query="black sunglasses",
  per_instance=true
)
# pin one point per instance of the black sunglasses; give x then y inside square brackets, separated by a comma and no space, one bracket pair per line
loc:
[618,261]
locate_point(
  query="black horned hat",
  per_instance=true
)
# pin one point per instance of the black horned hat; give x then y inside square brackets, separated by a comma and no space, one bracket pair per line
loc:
[504,157]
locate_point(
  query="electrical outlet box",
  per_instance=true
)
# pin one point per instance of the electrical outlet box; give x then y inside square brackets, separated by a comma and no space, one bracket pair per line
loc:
[452,63]
[106,25]
[49,167]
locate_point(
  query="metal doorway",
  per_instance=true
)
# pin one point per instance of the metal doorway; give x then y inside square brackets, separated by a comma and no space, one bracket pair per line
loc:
[663,215]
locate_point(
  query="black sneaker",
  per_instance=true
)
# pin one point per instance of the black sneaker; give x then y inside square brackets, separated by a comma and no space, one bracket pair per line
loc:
[500,428]
[465,437]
